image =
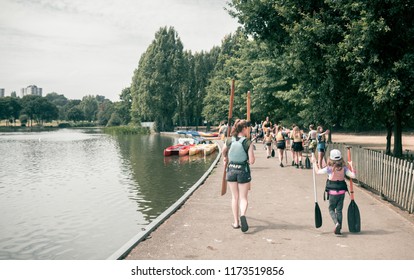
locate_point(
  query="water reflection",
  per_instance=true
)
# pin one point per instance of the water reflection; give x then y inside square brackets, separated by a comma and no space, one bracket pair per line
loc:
[71,194]
[161,180]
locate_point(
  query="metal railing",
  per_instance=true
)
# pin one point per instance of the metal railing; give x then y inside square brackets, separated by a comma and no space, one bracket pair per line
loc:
[392,178]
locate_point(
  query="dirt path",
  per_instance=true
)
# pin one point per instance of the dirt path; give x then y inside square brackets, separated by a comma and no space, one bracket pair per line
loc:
[375,142]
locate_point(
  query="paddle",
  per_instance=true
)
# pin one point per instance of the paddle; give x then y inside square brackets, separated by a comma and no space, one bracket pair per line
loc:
[354,218]
[248,113]
[224,181]
[318,214]
[307,161]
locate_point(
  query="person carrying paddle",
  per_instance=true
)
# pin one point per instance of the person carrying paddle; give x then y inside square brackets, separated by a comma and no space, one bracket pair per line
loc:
[238,152]
[335,185]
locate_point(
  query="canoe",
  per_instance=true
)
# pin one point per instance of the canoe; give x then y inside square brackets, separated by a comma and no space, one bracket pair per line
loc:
[208,134]
[185,150]
[205,149]
[196,149]
[210,148]
[173,150]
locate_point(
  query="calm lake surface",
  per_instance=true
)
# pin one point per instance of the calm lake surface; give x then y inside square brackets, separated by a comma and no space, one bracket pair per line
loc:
[82,194]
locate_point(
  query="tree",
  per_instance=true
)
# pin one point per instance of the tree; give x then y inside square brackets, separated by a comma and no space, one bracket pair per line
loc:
[9,109]
[89,106]
[39,108]
[123,107]
[155,87]
[75,114]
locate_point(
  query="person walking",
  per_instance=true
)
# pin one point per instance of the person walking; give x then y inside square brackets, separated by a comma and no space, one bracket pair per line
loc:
[280,143]
[321,147]
[335,185]
[297,146]
[312,141]
[268,141]
[238,153]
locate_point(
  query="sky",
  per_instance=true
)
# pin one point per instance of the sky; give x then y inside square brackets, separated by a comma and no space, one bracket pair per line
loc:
[92,47]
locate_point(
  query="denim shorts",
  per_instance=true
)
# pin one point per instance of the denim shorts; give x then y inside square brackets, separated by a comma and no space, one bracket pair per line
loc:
[239,173]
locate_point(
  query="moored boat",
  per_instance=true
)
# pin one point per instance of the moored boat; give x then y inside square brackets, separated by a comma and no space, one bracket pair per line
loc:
[173,150]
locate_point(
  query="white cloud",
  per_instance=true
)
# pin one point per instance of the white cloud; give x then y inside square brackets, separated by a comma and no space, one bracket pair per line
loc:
[79,47]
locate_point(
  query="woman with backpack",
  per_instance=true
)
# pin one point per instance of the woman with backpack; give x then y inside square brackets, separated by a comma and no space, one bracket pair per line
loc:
[238,153]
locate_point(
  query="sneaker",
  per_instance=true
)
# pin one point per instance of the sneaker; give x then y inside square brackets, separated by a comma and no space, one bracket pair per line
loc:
[293,162]
[268,156]
[281,164]
[297,165]
[337,229]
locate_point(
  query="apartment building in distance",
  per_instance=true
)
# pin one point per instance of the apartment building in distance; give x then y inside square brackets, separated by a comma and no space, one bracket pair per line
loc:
[1,92]
[31,90]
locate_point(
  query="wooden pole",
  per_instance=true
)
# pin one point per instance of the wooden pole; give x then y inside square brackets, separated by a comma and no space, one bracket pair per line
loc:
[224,181]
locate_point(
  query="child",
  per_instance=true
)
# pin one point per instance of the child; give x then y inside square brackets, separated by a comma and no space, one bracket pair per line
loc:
[335,185]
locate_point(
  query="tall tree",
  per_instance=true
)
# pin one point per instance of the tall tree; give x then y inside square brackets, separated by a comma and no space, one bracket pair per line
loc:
[155,88]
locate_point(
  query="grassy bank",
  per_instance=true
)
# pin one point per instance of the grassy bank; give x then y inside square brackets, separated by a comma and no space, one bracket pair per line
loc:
[126,130]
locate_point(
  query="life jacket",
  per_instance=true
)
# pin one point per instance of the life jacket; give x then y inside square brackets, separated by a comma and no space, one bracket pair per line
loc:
[335,186]
[237,152]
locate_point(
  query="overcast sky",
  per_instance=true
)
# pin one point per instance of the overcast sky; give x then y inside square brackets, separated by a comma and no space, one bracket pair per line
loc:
[82,47]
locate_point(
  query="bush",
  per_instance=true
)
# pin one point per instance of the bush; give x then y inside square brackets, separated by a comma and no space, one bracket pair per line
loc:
[126,130]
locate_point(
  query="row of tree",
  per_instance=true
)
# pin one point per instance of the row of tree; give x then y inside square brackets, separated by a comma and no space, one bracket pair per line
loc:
[95,109]
[342,64]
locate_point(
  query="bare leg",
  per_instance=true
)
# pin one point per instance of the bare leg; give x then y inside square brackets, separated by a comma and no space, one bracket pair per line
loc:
[234,201]
[243,191]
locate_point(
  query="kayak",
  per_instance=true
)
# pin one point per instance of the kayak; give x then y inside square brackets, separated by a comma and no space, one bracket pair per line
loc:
[173,150]
[208,134]
[185,150]
[205,149]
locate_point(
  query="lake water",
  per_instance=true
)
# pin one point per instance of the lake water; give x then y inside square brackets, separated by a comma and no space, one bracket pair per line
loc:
[82,194]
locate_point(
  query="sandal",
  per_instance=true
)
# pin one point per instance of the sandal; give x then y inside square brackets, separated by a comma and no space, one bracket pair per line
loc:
[235,227]
[244,225]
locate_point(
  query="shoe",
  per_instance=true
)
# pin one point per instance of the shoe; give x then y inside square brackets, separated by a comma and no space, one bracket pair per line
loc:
[281,165]
[268,156]
[244,225]
[297,165]
[235,227]
[293,163]
[337,229]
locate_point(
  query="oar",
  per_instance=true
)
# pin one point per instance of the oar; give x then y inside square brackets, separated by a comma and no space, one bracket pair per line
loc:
[318,214]
[354,218]
[224,181]
[248,113]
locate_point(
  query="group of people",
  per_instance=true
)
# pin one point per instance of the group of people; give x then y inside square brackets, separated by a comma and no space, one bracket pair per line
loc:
[238,155]
[282,138]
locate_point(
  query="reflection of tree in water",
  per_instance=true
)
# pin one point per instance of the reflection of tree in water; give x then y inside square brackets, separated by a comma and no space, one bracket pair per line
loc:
[159,181]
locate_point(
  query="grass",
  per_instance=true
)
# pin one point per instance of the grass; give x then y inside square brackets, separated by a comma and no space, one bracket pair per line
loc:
[126,129]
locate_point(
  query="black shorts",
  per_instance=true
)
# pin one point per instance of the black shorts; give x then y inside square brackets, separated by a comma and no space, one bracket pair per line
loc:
[281,145]
[297,147]
[239,173]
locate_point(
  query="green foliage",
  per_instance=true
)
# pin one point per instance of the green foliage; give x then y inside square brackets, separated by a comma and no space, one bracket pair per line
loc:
[126,130]
[155,89]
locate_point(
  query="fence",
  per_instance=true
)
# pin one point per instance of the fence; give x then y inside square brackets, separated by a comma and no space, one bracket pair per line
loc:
[391,177]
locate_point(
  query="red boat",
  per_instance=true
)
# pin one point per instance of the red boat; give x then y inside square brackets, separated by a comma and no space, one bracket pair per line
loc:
[173,150]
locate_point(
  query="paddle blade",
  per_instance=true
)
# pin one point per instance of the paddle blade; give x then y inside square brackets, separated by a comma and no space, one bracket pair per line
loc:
[273,152]
[224,182]
[307,163]
[354,218]
[318,216]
